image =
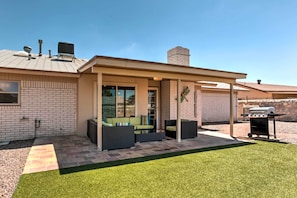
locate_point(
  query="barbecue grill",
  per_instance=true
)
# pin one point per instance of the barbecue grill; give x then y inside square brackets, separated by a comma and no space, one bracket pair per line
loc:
[259,120]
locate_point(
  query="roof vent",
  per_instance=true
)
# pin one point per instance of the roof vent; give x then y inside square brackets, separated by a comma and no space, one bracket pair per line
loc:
[66,49]
[40,47]
[28,49]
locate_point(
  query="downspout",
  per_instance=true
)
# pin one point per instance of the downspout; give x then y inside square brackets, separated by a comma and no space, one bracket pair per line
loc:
[36,126]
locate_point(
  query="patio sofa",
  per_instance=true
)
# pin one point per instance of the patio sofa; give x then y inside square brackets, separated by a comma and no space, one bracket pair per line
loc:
[139,123]
[189,129]
[113,137]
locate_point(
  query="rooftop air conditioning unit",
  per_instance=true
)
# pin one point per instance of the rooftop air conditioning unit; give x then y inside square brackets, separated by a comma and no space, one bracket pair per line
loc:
[65,49]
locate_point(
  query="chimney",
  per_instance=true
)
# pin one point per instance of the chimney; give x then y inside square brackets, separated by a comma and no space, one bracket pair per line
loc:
[178,56]
[259,81]
[40,47]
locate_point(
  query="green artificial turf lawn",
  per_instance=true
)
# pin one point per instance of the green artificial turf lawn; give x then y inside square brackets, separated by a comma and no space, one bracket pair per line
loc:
[263,169]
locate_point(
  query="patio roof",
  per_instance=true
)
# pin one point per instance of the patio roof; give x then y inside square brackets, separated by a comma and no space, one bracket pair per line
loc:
[104,65]
[148,69]
[211,86]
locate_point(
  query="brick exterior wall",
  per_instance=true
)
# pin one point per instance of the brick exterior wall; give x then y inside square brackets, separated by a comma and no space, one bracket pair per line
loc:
[51,100]
[187,107]
[178,56]
[283,106]
[169,102]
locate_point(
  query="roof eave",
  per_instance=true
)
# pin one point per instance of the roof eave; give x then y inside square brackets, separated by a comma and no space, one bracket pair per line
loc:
[39,72]
[158,67]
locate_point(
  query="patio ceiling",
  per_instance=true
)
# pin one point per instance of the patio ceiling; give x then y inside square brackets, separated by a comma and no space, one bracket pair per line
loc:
[138,68]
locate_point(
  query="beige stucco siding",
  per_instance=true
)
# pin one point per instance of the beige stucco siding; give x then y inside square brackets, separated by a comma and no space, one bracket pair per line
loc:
[52,100]
[165,101]
[85,102]
[199,105]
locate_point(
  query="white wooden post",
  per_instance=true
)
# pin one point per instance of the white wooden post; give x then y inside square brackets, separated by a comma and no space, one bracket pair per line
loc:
[99,112]
[178,121]
[231,109]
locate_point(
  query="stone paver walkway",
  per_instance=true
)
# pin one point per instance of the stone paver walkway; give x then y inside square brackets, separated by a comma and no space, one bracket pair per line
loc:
[51,153]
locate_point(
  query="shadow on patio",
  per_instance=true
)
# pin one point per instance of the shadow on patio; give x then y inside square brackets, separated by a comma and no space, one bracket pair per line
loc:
[74,153]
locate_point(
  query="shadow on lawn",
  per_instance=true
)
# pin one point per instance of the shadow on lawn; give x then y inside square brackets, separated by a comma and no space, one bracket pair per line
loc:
[147,158]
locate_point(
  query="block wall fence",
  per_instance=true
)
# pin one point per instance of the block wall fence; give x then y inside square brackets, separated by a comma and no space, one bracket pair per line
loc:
[283,106]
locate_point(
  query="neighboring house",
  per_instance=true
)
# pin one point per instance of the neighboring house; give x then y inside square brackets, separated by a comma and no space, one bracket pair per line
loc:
[266,91]
[45,96]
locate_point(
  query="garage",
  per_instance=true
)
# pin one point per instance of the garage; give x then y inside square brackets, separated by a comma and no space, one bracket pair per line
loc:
[216,107]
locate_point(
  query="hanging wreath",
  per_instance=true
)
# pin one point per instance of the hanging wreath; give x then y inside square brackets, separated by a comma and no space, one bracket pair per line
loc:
[184,93]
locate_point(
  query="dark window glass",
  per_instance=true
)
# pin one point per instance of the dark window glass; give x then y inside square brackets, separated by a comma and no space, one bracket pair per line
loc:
[118,101]
[9,92]
[108,102]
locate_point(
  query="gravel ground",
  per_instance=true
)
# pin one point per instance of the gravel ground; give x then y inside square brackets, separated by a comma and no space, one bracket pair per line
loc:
[12,161]
[285,131]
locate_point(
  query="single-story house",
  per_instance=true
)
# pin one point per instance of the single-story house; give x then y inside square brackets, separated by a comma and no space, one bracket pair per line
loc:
[265,91]
[45,95]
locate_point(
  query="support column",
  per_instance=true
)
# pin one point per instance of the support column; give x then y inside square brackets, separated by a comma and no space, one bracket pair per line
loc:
[178,121]
[99,114]
[231,109]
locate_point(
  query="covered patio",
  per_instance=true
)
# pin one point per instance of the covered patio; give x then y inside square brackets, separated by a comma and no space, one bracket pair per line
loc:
[170,79]
[59,152]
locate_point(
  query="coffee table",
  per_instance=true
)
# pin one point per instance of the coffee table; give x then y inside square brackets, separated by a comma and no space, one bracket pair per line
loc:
[149,135]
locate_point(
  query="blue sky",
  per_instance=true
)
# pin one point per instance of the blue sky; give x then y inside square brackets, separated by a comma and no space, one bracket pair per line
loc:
[257,37]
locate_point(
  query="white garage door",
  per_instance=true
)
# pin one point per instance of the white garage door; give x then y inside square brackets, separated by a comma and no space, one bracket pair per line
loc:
[216,107]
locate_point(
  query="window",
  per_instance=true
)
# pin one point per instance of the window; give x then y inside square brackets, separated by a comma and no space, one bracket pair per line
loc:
[108,102]
[9,92]
[118,101]
[126,102]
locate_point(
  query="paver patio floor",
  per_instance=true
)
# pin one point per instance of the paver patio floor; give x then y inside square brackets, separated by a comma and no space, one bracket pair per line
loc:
[51,153]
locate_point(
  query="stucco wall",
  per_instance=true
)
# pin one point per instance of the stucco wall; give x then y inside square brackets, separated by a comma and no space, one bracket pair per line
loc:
[85,102]
[52,100]
[165,101]
[199,105]
[283,106]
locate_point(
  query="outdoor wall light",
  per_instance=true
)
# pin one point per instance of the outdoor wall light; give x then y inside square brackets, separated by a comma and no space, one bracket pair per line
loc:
[157,78]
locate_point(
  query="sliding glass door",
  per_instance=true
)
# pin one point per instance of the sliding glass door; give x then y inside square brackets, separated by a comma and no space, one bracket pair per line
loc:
[118,101]
[126,102]
[108,102]
[153,104]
